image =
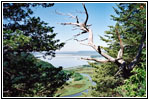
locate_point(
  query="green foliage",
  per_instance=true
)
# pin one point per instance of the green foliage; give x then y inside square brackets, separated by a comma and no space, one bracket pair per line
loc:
[32,78]
[77,76]
[30,33]
[16,39]
[131,25]
[135,86]
[104,79]
[20,11]
[23,74]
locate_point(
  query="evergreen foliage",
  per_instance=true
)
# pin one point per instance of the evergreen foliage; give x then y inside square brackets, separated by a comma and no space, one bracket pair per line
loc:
[18,21]
[27,76]
[23,74]
[131,25]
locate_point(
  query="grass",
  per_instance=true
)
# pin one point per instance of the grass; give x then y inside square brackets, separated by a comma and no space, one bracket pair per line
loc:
[86,70]
[74,87]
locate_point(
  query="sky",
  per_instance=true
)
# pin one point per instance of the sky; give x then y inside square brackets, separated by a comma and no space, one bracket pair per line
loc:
[99,17]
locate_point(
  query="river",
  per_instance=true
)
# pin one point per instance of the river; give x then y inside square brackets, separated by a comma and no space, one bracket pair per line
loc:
[70,59]
[85,91]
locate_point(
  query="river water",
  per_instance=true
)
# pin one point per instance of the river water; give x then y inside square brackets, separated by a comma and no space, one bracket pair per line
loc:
[67,60]
[85,91]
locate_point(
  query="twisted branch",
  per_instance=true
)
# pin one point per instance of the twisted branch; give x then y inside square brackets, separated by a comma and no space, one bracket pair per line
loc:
[119,61]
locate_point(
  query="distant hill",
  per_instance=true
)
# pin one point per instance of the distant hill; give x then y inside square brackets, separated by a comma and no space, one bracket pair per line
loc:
[81,53]
[93,54]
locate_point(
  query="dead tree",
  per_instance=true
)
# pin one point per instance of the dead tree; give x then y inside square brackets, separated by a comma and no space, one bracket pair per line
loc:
[119,60]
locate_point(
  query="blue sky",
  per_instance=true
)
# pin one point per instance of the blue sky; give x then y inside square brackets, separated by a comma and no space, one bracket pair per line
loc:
[99,17]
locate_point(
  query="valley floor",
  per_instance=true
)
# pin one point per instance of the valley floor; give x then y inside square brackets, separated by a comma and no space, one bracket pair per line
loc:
[74,86]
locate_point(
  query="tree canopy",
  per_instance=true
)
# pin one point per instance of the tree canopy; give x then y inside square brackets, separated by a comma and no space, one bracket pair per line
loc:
[38,35]
[131,25]
[23,74]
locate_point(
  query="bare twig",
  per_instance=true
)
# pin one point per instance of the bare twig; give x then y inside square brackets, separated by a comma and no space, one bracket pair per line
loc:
[81,40]
[97,60]
[69,14]
[78,34]
[70,24]
[120,69]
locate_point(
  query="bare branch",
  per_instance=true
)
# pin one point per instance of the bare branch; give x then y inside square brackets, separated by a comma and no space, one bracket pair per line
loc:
[84,44]
[70,24]
[97,60]
[85,22]
[90,37]
[77,19]
[81,40]
[120,69]
[59,13]
[69,14]
[78,34]
[120,53]
[91,43]
[84,27]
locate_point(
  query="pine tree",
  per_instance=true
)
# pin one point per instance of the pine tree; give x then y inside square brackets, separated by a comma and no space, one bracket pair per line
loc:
[131,25]
[23,74]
